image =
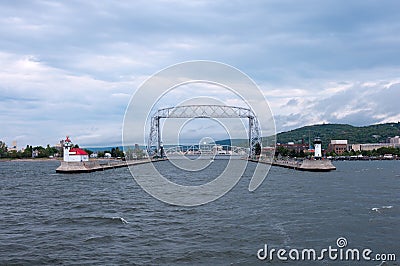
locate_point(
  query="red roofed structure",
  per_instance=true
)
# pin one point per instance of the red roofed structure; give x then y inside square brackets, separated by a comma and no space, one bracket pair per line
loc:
[74,154]
[77,151]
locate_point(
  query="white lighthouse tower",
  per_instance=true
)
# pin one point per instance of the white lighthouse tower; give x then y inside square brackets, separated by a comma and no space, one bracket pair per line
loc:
[67,147]
[317,148]
[72,154]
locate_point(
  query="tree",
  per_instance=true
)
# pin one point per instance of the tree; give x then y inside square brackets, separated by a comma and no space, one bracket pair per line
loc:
[136,153]
[116,152]
[89,152]
[49,151]
[281,151]
[41,151]
[3,149]
[27,153]
[388,150]
[257,149]
[14,154]
[139,154]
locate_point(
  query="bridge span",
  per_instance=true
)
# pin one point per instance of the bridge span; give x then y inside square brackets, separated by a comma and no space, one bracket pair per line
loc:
[204,111]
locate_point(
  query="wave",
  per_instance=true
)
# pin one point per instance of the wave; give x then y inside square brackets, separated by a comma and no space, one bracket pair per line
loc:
[122,220]
[379,209]
[99,238]
[96,219]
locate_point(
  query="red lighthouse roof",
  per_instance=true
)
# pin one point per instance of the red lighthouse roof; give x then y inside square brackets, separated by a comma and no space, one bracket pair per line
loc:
[77,151]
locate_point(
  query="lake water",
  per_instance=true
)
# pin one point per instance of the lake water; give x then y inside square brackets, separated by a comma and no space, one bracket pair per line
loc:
[105,218]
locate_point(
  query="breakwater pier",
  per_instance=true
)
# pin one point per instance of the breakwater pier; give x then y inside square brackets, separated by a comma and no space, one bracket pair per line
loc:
[304,165]
[93,166]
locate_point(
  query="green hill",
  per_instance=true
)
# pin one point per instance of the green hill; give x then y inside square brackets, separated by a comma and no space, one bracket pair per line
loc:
[327,132]
[366,134]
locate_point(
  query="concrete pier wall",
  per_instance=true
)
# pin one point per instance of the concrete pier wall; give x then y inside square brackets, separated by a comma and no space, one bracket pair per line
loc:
[304,165]
[317,165]
[92,166]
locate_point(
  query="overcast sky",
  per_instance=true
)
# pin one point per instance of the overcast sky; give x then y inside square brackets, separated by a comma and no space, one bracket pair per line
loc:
[70,67]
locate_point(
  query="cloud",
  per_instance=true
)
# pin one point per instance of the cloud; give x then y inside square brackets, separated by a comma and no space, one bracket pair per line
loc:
[72,66]
[39,100]
[355,105]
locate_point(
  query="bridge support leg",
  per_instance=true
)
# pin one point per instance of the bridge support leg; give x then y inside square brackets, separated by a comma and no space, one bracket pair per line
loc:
[250,144]
[158,135]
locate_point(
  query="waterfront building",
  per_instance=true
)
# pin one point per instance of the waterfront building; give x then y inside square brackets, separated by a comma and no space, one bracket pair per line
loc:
[395,141]
[338,146]
[374,146]
[370,146]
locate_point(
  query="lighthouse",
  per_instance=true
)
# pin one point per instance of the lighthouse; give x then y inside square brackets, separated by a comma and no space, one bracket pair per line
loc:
[67,147]
[317,148]
[74,154]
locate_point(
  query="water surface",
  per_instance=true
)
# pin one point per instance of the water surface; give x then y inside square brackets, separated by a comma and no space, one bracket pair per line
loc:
[105,218]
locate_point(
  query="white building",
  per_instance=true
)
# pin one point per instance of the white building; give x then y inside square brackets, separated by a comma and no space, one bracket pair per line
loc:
[339,142]
[395,140]
[13,146]
[74,154]
[370,146]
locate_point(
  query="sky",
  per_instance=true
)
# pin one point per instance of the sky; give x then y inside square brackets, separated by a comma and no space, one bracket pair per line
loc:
[71,67]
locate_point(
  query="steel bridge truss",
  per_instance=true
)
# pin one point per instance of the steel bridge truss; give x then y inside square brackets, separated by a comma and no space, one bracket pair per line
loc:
[207,149]
[202,111]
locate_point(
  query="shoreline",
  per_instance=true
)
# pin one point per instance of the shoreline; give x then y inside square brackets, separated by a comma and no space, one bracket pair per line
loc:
[112,159]
[50,159]
[29,160]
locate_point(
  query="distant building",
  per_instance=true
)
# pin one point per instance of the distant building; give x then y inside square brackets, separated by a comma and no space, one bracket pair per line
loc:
[216,149]
[267,151]
[354,147]
[395,141]
[338,146]
[13,146]
[370,146]
[35,153]
[74,154]
[59,146]
[291,146]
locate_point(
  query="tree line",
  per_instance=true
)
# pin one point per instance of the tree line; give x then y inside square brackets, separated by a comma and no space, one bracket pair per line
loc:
[48,151]
[114,152]
[29,152]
